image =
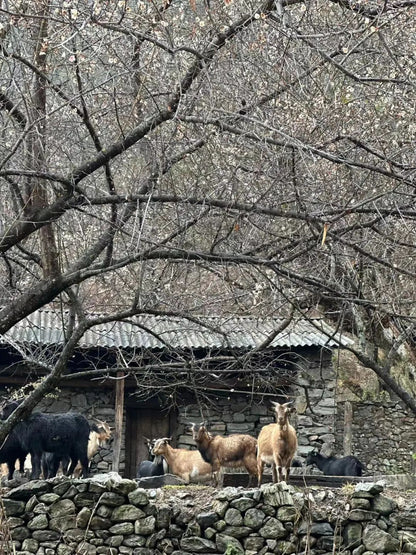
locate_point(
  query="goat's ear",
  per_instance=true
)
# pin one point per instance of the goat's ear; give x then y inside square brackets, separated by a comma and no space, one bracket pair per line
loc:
[275,404]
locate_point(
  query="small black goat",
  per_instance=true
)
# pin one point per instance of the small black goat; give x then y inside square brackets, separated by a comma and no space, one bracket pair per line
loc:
[331,466]
[156,467]
[65,435]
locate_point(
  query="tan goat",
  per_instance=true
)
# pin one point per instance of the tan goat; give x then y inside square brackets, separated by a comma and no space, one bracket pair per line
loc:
[233,451]
[95,441]
[277,444]
[186,464]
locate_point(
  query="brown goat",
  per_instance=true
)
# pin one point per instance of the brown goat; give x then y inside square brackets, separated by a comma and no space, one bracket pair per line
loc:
[234,451]
[277,444]
[186,464]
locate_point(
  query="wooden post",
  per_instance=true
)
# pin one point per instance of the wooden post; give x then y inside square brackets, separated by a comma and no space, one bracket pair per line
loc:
[118,421]
[347,428]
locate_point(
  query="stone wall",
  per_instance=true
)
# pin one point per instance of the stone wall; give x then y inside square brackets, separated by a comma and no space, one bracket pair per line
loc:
[109,516]
[383,436]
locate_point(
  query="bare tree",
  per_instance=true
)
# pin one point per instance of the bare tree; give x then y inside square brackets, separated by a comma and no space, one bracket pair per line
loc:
[211,158]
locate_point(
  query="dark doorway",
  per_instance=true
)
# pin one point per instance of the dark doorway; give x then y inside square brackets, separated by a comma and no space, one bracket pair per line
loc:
[141,423]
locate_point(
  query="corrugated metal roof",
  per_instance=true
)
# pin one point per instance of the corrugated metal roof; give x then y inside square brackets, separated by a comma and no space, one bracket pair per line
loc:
[47,327]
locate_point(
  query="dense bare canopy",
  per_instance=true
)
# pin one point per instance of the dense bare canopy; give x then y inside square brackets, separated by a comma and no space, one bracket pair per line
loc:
[211,157]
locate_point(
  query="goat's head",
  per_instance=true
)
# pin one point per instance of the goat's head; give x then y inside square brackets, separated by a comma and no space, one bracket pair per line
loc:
[159,446]
[310,459]
[200,432]
[104,431]
[283,411]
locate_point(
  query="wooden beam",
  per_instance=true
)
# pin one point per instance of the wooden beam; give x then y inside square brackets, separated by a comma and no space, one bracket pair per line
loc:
[118,419]
[347,428]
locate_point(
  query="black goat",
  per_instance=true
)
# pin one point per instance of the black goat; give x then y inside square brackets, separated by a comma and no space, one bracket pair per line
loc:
[156,467]
[331,466]
[65,435]
[10,452]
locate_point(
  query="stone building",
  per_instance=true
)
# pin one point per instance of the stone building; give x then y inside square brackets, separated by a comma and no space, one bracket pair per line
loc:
[269,362]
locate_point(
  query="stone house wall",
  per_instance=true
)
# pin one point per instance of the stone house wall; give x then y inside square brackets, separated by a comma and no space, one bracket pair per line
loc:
[111,517]
[383,436]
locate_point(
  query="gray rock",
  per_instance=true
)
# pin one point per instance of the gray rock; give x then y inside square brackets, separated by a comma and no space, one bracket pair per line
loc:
[220,506]
[45,535]
[379,541]
[145,526]
[39,522]
[114,541]
[62,508]
[360,515]
[223,542]
[99,523]
[104,511]
[193,529]
[253,543]
[83,517]
[138,497]
[112,499]
[41,509]
[254,518]
[14,522]
[287,513]
[154,539]
[30,545]
[233,517]
[321,529]
[20,534]
[163,516]
[123,528]
[127,512]
[360,503]
[369,488]
[85,499]
[383,505]
[207,519]
[237,531]
[243,503]
[13,508]
[352,534]
[286,547]
[49,498]
[273,529]
[198,545]
[124,486]
[25,491]
[63,523]
[134,541]
[277,495]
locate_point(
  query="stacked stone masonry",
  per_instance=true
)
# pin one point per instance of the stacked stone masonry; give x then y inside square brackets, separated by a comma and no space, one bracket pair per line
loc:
[108,516]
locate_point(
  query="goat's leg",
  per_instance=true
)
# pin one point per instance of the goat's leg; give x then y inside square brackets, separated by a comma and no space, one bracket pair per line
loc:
[10,465]
[36,457]
[260,469]
[274,473]
[251,466]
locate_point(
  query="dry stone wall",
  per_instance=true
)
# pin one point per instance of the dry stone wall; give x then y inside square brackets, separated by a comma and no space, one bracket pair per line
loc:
[110,516]
[383,436]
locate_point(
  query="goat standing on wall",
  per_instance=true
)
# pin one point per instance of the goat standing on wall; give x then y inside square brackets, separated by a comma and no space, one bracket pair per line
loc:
[186,464]
[277,444]
[233,451]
